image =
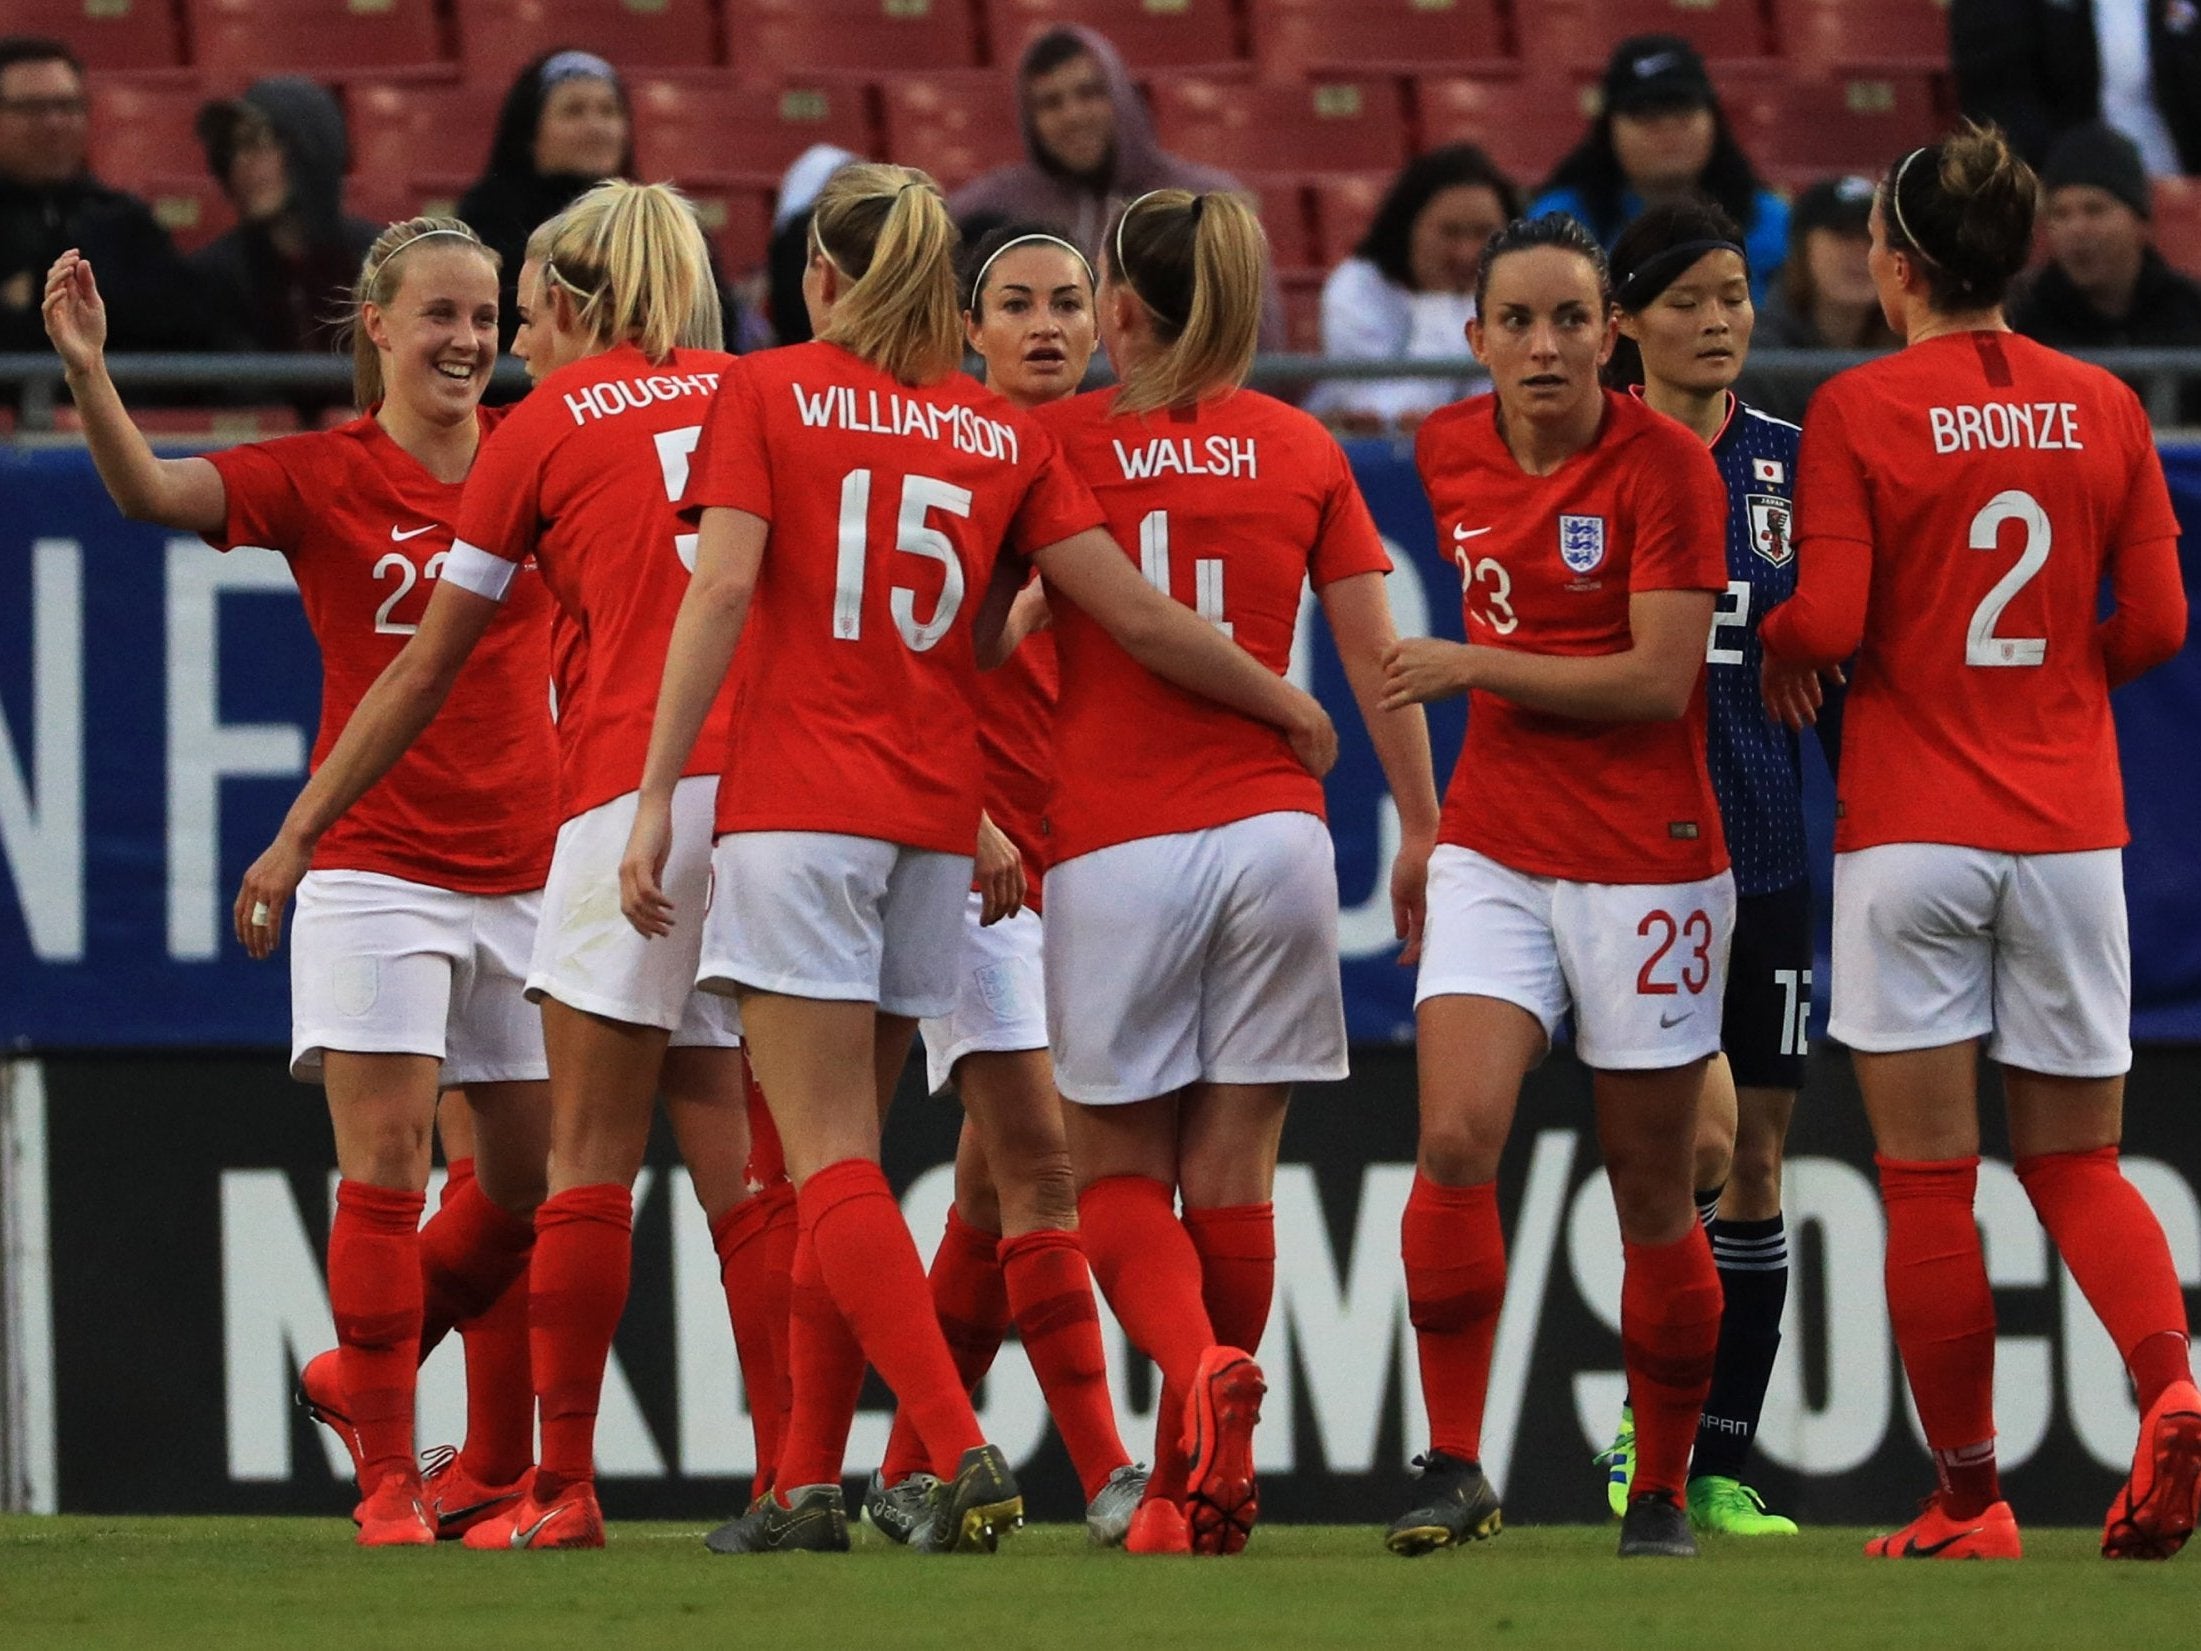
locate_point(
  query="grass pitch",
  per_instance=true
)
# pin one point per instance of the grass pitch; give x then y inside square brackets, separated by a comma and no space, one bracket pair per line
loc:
[300,1582]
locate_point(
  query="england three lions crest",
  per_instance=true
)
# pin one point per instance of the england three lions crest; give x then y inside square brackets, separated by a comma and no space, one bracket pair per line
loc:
[1581,542]
[1769,524]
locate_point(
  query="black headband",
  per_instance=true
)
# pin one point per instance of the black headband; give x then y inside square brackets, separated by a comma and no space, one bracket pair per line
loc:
[1662,269]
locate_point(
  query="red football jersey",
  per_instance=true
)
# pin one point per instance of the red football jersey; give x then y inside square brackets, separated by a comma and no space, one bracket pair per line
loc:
[366,530]
[1991,482]
[584,476]
[856,677]
[1547,565]
[1016,748]
[1231,507]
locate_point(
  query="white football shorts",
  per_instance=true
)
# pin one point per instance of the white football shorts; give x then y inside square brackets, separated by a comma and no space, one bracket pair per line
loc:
[380,965]
[589,957]
[1000,994]
[1936,943]
[818,914]
[1202,956]
[1641,966]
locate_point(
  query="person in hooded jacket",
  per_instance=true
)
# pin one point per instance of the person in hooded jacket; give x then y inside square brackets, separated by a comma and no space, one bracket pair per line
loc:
[274,282]
[1093,150]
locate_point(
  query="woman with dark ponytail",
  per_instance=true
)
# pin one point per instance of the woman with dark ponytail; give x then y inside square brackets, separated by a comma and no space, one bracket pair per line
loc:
[1965,499]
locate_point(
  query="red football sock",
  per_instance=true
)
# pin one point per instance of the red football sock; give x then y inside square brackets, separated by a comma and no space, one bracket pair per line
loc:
[1237,1248]
[1944,1320]
[2114,1246]
[825,1376]
[374,1296]
[1455,1254]
[584,1252]
[1669,1332]
[972,1304]
[500,1390]
[1145,1264]
[870,1264]
[1050,1290]
[757,1303]
[470,1252]
[767,1158]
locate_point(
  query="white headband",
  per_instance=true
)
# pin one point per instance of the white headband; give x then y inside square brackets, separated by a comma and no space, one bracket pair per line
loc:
[1895,199]
[978,286]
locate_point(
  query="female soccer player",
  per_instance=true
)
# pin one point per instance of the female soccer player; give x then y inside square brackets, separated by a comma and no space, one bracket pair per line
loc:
[1966,497]
[581,479]
[1011,1252]
[1580,867]
[1192,973]
[853,492]
[1681,281]
[416,914]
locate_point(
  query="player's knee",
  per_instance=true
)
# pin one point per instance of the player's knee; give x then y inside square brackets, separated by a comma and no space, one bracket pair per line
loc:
[1754,1181]
[1455,1153]
[1045,1194]
[1715,1151]
[387,1152]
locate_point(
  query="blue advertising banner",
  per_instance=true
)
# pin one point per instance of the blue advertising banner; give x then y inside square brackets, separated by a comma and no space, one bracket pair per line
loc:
[157,704]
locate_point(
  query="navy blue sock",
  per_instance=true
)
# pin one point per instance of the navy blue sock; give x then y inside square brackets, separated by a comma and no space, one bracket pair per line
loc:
[1752,1257]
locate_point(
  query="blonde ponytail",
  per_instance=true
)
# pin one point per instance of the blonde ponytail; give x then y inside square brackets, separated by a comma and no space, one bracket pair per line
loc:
[886,231]
[633,259]
[380,275]
[1196,263]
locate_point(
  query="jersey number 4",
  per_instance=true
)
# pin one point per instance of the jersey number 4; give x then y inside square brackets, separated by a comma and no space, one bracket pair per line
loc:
[1981,645]
[1207,571]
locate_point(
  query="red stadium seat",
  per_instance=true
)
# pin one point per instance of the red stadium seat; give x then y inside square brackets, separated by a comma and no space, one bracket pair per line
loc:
[1567,34]
[140,132]
[738,219]
[1151,34]
[1344,206]
[698,133]
[1303,310]
[1294,37]
[496,37]
[1355,125]
[955,126]
[404,136]
[766,39]
[106,34]
[1281,200]
[1525,125]
[2178,223]
[1852,33]
[1801,126]
[241,40]
[189,205]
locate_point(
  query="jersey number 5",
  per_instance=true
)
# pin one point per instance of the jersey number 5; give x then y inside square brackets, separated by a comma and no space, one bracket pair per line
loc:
[1981,645]
[912,533]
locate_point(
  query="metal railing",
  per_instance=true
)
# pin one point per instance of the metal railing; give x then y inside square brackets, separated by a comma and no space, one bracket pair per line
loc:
[33,381]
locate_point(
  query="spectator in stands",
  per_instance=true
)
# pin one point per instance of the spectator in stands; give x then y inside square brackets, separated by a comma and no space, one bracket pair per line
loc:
[2104,283]
[1824,298]
[2038,68]
[277,280]
[50,202]
[565,126]
[789,253]
[1092,150]
[1662,136]
[1408,291]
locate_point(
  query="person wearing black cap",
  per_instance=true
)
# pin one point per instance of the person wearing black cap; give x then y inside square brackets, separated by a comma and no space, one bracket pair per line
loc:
[1823,298]
[2104,283]
[1661,136]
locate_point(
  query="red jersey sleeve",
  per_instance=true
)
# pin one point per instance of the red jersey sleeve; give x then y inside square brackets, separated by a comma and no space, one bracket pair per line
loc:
[1832,500]
[1680,522]
[501,510]
[1347,542]
[732,467]
[1058,505]
[2149,624]
[1823,623]
[264,494]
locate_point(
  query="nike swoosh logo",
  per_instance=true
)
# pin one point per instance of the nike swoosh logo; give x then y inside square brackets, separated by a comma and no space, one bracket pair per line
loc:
[1915,1549]
[521,1538]
[450,1515]
[416,533]
[1460,533]
[1666,1023]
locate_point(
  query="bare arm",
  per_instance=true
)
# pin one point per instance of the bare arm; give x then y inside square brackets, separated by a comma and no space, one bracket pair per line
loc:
[1650,680]
[390,716]
[1178,646]
[729,551]
[180,493]
[993,627]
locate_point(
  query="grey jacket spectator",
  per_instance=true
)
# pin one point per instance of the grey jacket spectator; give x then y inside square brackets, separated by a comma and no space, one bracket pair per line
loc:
[1101,154]
[2035,67]
[278,279]
[50,202]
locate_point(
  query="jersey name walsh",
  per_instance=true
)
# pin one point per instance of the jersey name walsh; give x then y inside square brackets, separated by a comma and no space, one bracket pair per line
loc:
[1229,456]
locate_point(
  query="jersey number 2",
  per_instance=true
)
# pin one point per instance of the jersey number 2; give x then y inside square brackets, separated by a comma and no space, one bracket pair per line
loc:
[913,534]
[1981,645]
[400,566]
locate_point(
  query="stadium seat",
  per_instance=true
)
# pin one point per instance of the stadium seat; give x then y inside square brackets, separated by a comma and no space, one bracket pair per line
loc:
[406,136]
[241,40]
[766,39]
[1826,34]
[701,134]
[496,37]
[1524,124]
[1292,38]
[1567,34]
[189,205]
[738,219]
[1151,34]
[955,126]
[1303,310]
[1281,200]
[140,132]
[2177,223]
[1796,126]
[1344,206]
[1355,125]
[106,34]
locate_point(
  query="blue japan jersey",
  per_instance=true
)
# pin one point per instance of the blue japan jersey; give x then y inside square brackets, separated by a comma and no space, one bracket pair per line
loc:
[1757,765]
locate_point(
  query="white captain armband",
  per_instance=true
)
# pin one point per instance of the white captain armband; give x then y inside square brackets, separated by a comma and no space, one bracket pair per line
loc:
[472,568]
